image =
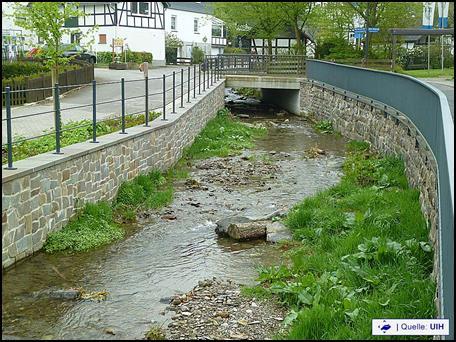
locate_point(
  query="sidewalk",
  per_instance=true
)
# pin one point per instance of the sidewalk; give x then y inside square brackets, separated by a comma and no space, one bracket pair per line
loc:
[446,86]
[35,125]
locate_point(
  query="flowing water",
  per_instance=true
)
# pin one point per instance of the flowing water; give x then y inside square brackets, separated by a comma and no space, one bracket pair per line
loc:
[162,257]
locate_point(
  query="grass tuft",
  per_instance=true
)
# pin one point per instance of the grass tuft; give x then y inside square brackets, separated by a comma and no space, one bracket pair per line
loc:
[363,253]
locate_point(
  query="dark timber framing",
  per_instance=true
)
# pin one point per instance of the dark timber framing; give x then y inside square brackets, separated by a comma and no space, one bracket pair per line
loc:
[119,14]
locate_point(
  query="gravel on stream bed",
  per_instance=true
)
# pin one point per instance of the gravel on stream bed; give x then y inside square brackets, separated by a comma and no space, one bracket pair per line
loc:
[215,310]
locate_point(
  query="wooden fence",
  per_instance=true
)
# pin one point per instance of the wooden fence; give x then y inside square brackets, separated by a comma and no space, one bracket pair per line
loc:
[23,88]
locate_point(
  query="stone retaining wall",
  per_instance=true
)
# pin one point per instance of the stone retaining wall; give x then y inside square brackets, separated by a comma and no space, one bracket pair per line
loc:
[389,132]
[43,193]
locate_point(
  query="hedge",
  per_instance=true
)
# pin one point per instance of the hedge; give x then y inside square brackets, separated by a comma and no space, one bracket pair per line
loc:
[18,69]
[132,56]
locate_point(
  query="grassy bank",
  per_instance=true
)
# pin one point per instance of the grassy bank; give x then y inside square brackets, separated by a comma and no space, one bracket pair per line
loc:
[72,133]
[360,252]
[101,223]
[445,73]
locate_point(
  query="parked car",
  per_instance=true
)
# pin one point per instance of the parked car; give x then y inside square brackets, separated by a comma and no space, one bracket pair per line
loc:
[79,52]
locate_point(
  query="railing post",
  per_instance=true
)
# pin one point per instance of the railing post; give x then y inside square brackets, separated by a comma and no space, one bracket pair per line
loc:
[182,88]
[194,79]
[146,92]
[212,73]
[174,93]
[57,118]
[122,97]
[94,111]
[208,72]
[188,85]
[8,129]
[204,76]
[199,79]
[164,97]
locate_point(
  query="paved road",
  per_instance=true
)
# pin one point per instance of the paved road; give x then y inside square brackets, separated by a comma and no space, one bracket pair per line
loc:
[446,86]
[35,125]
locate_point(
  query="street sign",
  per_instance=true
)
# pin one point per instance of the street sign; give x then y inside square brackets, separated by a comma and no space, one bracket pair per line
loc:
[363,29]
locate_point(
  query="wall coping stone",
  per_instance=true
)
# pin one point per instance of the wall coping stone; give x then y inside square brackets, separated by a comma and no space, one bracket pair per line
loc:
[42,161]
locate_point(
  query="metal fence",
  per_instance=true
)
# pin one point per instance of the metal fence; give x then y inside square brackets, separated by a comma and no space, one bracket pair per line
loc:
[187,82]
[428,109]
[262,64]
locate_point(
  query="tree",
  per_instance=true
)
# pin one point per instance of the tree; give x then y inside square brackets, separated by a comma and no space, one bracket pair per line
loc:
[46,21]
[251,19]
[296,14]
[385,15]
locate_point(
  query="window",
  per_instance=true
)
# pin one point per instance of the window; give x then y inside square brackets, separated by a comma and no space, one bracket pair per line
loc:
[101,39]
[76,38]
[173,22]
[195,25]
[140,8]
[216,30]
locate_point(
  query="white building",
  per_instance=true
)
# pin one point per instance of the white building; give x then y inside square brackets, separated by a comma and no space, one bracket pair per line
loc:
[141,26]
[193,23]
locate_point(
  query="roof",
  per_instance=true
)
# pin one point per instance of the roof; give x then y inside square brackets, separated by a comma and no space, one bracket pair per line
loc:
[197,7]
[165,4]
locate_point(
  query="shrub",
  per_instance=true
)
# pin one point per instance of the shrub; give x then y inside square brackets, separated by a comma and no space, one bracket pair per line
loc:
[197,55]
[132,56]
[15,69]
[234,50]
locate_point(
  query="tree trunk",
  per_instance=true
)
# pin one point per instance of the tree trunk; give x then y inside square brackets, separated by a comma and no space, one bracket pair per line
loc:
[247,231]
[298,35]
[269,47]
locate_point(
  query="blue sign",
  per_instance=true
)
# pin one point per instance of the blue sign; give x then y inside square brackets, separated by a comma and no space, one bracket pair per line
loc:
[363,30]
[359,35]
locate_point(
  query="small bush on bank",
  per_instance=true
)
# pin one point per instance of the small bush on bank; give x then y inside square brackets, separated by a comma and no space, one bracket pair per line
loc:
[93,227]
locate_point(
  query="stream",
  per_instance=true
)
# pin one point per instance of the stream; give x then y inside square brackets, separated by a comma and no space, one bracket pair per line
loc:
[159,257]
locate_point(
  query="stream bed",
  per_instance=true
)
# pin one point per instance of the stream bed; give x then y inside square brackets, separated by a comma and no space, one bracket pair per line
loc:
[161,257]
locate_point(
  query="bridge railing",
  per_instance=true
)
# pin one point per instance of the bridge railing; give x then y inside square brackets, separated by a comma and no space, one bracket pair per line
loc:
[428,109]
[254,64]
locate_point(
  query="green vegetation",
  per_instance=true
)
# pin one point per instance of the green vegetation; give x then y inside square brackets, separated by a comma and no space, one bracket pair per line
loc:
[324,126]
[72,133]
[362,252]
[197,55]
[14,69]
[98,224]
[249,92]
[105,57]
[156,332]
[93,227]
[150,191]
[222,136]
[448,73]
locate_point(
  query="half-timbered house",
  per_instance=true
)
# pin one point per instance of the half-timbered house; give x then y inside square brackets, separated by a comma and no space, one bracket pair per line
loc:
[139,25]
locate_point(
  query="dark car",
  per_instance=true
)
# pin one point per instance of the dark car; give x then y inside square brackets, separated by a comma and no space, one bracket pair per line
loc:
[77,51]
[81,54]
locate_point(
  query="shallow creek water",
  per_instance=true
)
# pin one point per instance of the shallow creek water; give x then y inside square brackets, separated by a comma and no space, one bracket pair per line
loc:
[160,258]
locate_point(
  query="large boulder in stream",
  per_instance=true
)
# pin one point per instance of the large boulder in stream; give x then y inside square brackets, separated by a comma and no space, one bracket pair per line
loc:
[66,294]
[248,230]
[222,225]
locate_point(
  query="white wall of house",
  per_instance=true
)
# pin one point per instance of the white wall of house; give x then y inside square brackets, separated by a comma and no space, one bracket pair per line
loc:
[185,30]
[136,39]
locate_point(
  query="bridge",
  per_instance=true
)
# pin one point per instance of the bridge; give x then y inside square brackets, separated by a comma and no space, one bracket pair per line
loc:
[398,114]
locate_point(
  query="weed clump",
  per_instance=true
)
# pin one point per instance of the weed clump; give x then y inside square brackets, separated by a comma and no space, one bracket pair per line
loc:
[362,253]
